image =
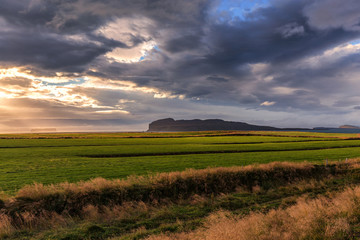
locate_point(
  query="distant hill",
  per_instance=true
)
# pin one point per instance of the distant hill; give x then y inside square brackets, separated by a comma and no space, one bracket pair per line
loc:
[349,126]
[323,128]
[171,125]
[43,130]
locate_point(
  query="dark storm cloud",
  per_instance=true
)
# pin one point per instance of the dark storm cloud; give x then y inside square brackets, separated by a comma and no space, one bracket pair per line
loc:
[198,53]
[47,51]
[330,14]
[183,43]
[87,15]
[51,14]
[39,28]
[280,35]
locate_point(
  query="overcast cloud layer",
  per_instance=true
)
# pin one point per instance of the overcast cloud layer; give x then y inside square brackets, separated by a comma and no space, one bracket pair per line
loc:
[119,64]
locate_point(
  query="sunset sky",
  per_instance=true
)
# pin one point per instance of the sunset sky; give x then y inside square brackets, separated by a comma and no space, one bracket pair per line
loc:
[116,65]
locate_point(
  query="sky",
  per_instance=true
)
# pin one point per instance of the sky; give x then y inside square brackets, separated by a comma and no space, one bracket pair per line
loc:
[117,65]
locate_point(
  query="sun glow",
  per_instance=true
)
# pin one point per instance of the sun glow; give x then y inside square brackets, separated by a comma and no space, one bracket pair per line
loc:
[18,72]
[19,83]
[12,72]
[38,89]
[94,82]
[113,111]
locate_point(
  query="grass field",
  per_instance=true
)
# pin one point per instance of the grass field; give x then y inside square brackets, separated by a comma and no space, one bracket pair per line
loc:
[53,158]
[175,202]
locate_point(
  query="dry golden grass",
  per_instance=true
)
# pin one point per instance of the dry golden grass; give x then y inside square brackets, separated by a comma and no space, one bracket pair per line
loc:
[51,220]
[42,207]
[107,214]
[38,190]
[321,218]
[189,181]
[5,225]
[30,221]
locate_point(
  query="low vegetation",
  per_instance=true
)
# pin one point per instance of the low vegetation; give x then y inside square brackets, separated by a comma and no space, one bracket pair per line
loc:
[105,135]
[55,158]
[38,207]
[337,217]
[171,185]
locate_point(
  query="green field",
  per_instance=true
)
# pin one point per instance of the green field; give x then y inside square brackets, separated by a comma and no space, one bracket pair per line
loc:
[54,158]
[178,202]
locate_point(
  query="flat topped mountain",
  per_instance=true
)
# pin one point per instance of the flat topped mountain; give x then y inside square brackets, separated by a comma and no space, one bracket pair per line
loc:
[169,125]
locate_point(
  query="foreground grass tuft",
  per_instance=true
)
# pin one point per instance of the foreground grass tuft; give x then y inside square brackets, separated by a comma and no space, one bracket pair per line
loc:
[321,218]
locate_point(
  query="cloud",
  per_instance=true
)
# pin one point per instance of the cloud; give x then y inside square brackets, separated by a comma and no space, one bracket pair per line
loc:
[291,29]
[332,14]
[47,51]
[96,60]
[267,103]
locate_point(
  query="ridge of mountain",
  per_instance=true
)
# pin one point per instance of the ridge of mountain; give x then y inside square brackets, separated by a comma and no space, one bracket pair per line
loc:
[171,125]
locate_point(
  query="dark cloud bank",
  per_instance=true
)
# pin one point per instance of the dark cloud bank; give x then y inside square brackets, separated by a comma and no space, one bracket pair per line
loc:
[286,56]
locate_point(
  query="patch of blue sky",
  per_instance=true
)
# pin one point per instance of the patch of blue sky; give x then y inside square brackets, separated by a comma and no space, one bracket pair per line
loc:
[143,57]
[239,8]
[76,81]
[355,42]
